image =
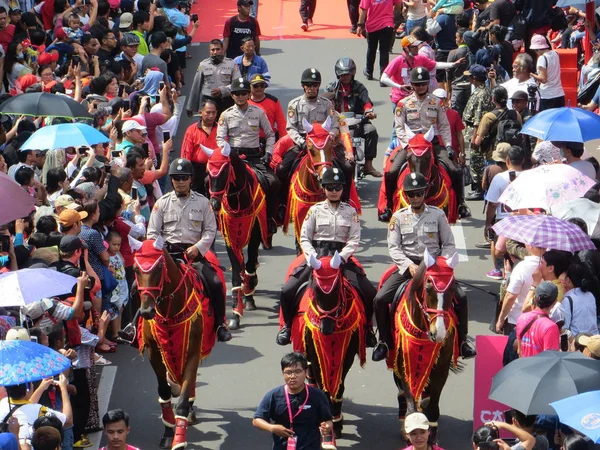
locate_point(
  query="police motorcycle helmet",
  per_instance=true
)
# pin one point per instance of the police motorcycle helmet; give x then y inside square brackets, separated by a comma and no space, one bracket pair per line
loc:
[345,66]
[415,182]
[419,75]
[240,85]
[310,76]
[332,175]
[181,166]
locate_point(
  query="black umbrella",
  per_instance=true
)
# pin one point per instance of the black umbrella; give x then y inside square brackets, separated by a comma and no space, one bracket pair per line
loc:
[530,384]
[42,104]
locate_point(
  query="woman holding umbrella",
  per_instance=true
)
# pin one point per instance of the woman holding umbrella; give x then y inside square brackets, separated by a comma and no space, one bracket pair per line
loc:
[579,304]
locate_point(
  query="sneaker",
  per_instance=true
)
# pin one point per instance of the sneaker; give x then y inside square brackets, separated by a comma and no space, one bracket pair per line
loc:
[84,442]
[484,244]
[328,442]
[495,274]
[304,27]
[309,23]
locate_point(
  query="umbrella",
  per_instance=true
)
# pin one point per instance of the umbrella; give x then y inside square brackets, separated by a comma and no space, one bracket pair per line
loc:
[25,361]
[581,412]
[64,135]
[582,208]
[579,4]
[26,286]
[546,186]
[564,124]
[544,231]
[43,104]
[530,384]
[16,203]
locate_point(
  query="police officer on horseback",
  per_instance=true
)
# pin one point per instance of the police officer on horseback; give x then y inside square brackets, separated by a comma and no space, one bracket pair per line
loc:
[330,226]
[240,125]
[412,230]
[186,221]
[419,111]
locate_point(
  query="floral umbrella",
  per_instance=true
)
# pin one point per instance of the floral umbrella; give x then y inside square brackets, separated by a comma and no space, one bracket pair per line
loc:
[24,362]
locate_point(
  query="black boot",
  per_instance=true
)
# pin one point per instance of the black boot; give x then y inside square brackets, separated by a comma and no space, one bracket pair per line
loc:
[463,211]
[467,350]
[461,307]
[386,215]
[380,352]
[284,337]
[370,338]
[223,334]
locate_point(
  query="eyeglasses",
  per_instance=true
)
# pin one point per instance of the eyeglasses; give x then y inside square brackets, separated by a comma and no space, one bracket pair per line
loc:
[310,85]
[415,194]
[289,373]
[240,93]
[259,86]
[180,177]
[334,187]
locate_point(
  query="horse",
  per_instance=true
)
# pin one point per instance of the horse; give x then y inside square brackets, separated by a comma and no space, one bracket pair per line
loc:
[241,202]
[330,329]
[177,328]
[425,337]
[420,158]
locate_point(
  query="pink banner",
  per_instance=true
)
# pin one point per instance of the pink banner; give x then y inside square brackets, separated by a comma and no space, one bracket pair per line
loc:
[487,363]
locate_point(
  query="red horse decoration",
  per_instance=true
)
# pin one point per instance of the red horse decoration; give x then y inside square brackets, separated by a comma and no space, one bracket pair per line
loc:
[425,337]
[177,329]
[421,158]
[330,329]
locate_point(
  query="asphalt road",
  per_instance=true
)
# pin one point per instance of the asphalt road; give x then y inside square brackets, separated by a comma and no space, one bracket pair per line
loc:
[232,381]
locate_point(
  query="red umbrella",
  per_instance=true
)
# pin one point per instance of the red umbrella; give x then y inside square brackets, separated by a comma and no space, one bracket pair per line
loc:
[16,203]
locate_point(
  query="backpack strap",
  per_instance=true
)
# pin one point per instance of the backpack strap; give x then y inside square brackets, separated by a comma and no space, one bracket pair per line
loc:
[570,306]
[10,413]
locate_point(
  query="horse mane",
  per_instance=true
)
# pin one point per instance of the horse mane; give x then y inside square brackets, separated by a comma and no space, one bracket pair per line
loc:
[418,281]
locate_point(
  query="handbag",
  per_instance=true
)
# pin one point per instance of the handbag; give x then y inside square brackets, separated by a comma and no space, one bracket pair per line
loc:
[109,283]
[432,26]
[467,177]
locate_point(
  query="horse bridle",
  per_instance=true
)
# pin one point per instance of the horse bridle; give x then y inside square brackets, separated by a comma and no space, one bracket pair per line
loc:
[230,178]
[430,314]
[431,160]
[334,312]
[313,167]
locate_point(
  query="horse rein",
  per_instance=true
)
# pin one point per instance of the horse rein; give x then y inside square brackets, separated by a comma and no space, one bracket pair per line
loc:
[314,166]
[230,178]
[430,314]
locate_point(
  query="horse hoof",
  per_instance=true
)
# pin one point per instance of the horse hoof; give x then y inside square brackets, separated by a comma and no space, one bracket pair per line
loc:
[250,304]
[192,419]
[337,429]
[166,442]
[234,322]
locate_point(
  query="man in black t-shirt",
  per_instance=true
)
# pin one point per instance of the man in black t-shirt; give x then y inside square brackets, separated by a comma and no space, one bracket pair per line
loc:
[238,27]
[499,12]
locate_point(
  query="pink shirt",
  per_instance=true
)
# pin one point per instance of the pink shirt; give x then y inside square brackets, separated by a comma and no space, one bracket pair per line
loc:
[380,14]
[399,72]
[542,335]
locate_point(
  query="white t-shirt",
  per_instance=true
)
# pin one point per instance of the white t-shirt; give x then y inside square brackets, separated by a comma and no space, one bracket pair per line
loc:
[498,185]
[27,414]
[521,279]
[513,85]
[585,167]
[417,11]
[553,88]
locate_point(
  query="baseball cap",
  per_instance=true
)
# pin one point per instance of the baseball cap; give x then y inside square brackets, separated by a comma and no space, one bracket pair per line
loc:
[129,39]
[477,71]
[547,291]
[60,33]
[258,78]
[592,343]
[245,2]
[501,152]
[408,41]
[519,95]
[440,93]
[15,10]
[125,20]
[132,125]
[65,201]
[46,58]
[70,217]
[538,42]
[17,334]
[70,243]
[416,421]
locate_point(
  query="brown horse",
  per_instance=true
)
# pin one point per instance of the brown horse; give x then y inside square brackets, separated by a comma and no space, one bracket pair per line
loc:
[330,330]
[425,337]
[177,329]
[305,185]
[420,158]
[241,203]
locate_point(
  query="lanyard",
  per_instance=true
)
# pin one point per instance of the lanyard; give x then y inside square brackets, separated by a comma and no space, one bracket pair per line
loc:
[289,406]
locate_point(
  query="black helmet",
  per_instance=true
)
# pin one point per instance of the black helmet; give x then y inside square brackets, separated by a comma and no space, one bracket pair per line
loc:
[419,75]
[240,85]
[311,76]
[344,66]
[181,166]
[414,182]
[332,175]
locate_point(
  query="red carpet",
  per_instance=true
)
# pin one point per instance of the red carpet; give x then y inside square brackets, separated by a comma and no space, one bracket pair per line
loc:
[278,19]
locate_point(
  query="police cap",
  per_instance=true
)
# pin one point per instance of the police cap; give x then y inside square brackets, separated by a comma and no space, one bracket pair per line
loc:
[419,75]
[181,166]
[240,85]
[332,175]
[414,182]
[311,76]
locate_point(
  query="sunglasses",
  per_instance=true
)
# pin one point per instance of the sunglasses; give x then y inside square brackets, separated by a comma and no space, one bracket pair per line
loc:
[415,194]
[240,93]
[334,187]
[259,86]
[312,84]
[180,177]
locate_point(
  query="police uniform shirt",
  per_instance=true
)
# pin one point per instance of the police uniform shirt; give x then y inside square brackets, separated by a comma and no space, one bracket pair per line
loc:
[242,128]
[210,76]
[313,110]
[183,220]
[409,234]
[326,223]
[420,115]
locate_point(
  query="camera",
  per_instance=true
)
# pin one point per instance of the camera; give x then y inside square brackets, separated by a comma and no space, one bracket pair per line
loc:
[532,90]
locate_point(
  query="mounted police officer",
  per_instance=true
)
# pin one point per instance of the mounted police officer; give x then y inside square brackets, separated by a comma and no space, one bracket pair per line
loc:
[186,221]
[350,95]
[419,111]
[240,125]
[330,226]
[412,230]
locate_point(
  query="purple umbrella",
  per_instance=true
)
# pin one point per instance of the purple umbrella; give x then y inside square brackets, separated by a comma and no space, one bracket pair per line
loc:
[26,286]
[545,232]
[16,203]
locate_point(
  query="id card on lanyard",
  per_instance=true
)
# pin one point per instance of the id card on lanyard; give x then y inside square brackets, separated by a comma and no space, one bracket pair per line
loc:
[291,442]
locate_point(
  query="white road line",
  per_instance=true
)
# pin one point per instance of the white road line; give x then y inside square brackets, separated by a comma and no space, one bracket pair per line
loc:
[104,390]
[459,240]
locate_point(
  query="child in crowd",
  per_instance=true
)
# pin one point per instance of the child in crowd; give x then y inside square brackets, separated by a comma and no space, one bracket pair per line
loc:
[120,295]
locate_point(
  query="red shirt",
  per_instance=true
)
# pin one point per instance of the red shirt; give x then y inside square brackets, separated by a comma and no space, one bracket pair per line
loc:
[194,136]
[272,108]
[456,126]
[123,229]
[6,36]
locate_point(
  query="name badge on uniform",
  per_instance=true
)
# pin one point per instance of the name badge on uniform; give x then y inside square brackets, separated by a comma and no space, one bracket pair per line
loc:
[413,116]
[404,72]
[406,225]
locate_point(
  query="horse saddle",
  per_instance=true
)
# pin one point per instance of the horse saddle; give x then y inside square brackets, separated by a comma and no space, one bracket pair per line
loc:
[398,296]
[260,175]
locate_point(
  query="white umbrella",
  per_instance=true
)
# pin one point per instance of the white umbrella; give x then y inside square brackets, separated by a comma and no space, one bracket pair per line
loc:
[582,208]
[26,286]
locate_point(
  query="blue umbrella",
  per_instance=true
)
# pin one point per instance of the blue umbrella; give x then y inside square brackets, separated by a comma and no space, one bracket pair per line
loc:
[564,124]
[26,286]
[64,135]
[25,361]
[581,412]
[579,4]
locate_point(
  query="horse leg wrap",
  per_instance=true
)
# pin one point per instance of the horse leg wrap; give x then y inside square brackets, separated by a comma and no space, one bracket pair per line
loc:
[167,417]
[181,425]
[250,283]
[238,301]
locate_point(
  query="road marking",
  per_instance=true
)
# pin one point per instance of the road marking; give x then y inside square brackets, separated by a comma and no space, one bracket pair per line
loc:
[107,380]
[460,242]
